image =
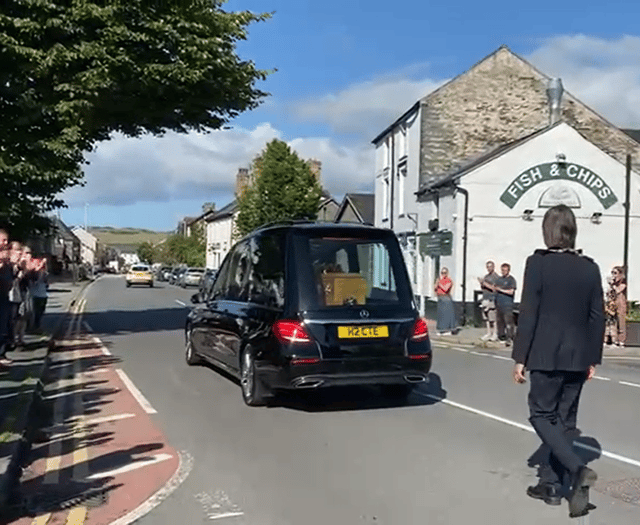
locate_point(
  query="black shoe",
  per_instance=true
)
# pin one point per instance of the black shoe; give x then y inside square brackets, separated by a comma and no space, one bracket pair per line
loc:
[579,496]
[547,493]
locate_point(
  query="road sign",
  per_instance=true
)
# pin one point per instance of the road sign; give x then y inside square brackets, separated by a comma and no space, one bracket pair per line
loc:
[435,243]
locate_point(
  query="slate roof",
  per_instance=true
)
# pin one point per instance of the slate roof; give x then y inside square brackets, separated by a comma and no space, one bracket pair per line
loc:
[225,211]
[363,205]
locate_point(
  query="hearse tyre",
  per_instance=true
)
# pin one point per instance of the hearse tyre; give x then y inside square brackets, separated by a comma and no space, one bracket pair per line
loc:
[254,393]
[190,354]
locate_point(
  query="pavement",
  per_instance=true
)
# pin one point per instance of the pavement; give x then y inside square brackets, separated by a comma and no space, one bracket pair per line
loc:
[82,446]
[471,337]
[21,383]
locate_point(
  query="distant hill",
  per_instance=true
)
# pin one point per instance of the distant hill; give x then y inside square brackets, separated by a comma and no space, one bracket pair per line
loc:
[127,236]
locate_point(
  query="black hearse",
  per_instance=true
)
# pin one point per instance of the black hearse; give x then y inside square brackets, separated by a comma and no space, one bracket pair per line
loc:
[308,305]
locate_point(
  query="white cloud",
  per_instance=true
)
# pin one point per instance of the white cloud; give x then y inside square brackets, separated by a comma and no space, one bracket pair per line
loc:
[125,171]
[344,169]
[366,108]
[176,166]
[604,74]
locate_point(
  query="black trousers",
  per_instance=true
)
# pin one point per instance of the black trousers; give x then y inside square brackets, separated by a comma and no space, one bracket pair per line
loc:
[505,321]
[553,412]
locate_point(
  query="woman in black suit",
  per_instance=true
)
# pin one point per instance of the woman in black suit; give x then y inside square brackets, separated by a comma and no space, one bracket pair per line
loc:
[559,340]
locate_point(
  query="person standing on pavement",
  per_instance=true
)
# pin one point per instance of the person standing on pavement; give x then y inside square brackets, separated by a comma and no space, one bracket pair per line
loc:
[619,287]
[6,280]
[446,313]
[488,305]
[505,289]
[559,341]
[39,292]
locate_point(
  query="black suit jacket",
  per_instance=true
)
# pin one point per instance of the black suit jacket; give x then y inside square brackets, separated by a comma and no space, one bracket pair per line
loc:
[561,321]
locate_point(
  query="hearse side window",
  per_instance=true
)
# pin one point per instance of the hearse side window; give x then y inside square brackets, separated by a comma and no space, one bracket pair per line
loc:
[218,290]
[237,288]
[266,281]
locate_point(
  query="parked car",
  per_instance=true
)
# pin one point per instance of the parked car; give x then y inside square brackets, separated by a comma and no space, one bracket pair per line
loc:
[139,274]
[307,306]
[163,273]
[207,279]
[174,277]
[191,277]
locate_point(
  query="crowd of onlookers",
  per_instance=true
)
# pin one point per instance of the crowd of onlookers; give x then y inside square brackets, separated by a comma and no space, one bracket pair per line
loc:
[23,294]
[497,305]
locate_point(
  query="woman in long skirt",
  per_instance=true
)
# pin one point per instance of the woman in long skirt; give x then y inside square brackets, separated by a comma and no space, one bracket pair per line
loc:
[446,313]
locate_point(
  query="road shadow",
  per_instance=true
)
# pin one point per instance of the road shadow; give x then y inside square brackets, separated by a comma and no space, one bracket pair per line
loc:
[118,322]
[341,399]
[586,447]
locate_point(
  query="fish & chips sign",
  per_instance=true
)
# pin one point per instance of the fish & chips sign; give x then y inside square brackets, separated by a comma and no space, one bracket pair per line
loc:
[558,171]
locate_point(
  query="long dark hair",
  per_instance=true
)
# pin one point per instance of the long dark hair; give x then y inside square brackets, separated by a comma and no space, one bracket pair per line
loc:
[559,228]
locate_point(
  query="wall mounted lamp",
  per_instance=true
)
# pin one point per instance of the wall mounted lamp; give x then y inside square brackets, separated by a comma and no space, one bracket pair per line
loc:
[596,218]
[561,157]
[527,215]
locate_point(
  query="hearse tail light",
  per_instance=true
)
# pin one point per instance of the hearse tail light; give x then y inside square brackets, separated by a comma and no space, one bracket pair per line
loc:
[289,332]
[420,330]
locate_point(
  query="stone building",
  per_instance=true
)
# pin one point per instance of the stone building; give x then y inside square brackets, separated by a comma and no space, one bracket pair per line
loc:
[485,155]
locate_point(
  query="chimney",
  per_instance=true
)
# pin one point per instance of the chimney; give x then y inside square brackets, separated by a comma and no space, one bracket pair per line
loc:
[316,168]
[554,94]
[242,180]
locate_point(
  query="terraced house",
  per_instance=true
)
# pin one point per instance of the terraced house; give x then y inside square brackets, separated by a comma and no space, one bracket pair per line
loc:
[466,174]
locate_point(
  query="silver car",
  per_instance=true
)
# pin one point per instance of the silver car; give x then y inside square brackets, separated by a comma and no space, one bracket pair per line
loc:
[191,277]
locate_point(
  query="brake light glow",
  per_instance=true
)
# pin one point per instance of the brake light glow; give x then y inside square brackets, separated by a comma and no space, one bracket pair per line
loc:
[290,332]
[305,360]
[420,330]
[420,357]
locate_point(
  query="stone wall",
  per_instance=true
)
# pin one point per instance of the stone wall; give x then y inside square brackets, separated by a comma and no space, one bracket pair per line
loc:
[501,99]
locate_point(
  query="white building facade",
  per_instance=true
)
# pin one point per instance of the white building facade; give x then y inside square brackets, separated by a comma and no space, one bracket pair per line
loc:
[510,193]
[483,157]
[88,245]
[220,228]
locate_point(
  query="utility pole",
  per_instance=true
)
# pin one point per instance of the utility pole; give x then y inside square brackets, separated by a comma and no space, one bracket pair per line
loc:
[627,211]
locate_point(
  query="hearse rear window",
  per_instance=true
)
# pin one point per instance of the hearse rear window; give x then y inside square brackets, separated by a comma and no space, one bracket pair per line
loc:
[352,271]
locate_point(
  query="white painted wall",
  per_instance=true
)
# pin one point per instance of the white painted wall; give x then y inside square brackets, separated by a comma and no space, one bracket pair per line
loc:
[499,233]
[219,240]
[88,245]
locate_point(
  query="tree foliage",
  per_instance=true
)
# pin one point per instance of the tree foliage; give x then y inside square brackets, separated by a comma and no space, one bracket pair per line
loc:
[283,188]
[146,252]
[72,72]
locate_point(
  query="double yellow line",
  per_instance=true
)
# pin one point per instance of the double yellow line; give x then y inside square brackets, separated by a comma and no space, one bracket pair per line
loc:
[78,514]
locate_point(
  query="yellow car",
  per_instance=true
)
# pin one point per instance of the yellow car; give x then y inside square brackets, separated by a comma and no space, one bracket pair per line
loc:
[139,274]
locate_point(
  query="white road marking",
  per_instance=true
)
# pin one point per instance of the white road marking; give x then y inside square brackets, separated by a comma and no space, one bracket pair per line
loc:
[527,428]
[144,403]
[629,384]
[225,515]
[181,303]
[156,458]
[184,468]
[500,357]
[475,353]
[108,419]
[602,378]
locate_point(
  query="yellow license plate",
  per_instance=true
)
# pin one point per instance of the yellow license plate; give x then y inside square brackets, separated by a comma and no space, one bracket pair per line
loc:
[362,332]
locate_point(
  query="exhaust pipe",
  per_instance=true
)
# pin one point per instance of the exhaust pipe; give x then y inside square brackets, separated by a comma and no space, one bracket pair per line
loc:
[414,379]
[301,383]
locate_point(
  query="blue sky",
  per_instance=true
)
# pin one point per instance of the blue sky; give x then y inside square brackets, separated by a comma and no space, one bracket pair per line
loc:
[346,70]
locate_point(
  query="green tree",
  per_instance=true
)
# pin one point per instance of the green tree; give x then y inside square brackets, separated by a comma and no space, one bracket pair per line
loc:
[73,72]
[283,188]
[146,252]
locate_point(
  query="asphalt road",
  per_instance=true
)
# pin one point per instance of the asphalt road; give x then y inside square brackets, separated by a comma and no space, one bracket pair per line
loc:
[456,453]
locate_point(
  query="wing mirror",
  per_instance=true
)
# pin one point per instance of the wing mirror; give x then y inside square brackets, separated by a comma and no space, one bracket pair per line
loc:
[196,298]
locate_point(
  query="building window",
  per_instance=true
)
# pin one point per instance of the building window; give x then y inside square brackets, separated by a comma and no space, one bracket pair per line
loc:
[386,193]
[401,178]
[402,142]
[387,153]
